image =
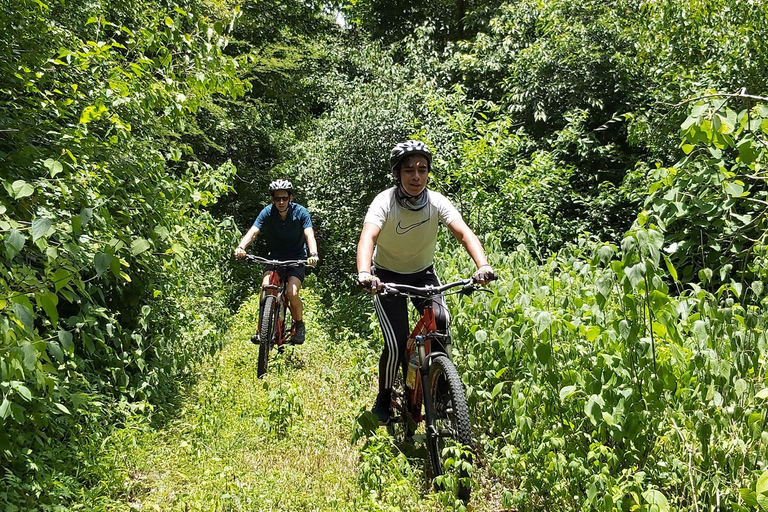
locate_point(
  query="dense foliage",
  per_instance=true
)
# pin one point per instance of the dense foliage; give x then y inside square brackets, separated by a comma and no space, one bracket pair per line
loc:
[110,284]
[612,154]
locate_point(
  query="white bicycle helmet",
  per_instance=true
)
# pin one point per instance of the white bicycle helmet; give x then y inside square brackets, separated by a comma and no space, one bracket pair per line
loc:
[280,184]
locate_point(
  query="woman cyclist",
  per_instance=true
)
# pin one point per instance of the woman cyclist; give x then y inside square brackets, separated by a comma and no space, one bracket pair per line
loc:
[397,245]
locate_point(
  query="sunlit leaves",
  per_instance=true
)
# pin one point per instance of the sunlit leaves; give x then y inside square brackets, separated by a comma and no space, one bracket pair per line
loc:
[19,189]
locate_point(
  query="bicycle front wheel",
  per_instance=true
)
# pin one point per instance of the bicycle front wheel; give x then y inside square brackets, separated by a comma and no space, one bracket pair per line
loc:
[450,417]
[267,331]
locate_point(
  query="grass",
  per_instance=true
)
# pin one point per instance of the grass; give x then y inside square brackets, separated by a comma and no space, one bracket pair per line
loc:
[282,443]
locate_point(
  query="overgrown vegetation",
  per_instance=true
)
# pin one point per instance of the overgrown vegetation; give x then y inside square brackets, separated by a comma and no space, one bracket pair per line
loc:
[612,155]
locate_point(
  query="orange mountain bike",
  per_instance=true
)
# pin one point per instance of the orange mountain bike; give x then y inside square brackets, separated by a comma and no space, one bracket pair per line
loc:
[273,310]
[430,368]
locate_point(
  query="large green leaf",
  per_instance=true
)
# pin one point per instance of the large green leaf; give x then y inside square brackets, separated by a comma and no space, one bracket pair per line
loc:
[657,502]
[14,242]
[20,189]
[40,226]
[139,245]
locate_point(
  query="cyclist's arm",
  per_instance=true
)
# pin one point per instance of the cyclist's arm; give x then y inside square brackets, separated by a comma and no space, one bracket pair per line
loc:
[245,242]
[309,234]
[469,240]
[365,246]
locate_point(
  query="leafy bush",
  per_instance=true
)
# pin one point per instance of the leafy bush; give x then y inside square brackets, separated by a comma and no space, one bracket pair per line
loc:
[106,293]
[712,203]
[596,386]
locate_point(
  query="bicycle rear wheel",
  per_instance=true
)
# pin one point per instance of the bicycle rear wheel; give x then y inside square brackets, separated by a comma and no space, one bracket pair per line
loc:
[267,332]
[450,419]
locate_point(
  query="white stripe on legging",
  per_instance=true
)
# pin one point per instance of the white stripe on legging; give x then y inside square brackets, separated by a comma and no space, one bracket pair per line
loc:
[389,339]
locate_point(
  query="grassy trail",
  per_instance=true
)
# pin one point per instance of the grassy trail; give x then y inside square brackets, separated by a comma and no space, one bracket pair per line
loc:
[278,444]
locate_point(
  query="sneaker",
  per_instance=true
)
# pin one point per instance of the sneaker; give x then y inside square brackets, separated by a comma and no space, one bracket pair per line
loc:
[382,408]
[255,339]
[298,336]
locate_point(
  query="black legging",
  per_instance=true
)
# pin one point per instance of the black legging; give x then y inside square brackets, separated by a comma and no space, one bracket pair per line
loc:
[393,318]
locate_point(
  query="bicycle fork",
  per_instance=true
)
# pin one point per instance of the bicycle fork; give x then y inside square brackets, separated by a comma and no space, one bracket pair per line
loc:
[429,411]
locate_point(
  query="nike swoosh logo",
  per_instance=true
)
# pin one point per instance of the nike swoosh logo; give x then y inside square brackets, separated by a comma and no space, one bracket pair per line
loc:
[401,230]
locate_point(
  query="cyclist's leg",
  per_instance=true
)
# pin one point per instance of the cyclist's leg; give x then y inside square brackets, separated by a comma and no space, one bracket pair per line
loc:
[294,301]
[295,277]
[392,313]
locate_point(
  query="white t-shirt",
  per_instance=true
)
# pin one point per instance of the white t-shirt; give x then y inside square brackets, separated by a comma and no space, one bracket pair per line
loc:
[407,240]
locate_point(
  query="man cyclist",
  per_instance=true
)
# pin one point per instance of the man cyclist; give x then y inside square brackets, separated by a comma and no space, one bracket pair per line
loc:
[286,226]
[397,244]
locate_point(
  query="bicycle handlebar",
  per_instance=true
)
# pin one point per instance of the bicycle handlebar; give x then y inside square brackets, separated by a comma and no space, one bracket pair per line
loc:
[277,263]
[468,285]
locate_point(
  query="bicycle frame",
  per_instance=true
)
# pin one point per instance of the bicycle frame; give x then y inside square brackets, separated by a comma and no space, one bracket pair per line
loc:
[437,386]
[273,309]
[277,287]
[420,340]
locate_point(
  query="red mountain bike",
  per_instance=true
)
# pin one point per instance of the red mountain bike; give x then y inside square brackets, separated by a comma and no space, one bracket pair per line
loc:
[273,310]
[429,367]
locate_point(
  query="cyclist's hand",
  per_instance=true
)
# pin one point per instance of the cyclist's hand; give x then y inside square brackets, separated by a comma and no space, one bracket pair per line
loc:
[239,253]
[368,282]
[312,261]
[484,275]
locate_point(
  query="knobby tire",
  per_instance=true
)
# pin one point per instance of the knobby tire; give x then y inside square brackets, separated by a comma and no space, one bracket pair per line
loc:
[451,417]
[267,327]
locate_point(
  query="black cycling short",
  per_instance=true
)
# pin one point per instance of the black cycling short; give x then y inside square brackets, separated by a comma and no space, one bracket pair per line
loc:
[298,272]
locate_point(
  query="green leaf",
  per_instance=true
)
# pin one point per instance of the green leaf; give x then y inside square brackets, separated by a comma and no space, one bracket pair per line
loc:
[544,352]
[700,331]
[139,246]
[102,262]
[497,389]
[670,268]
[566,392]
[62,408]
[20,189]
[5,408]
[65,338]
[92,113]
[40,226]
[55,350]
[762,500]
[30,356]
[762,483]
[635,274]
[54,167]
[25,315]
[749,497]
[762,394]
[543,321]
[593,332]
[657,501]
[48,301]
[61,278]
[24,391]
[593,409]
[14,242]
[734,188]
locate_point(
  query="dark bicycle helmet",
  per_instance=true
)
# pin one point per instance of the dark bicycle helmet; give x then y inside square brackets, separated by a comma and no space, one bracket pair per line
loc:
[406,149]
[280,185]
